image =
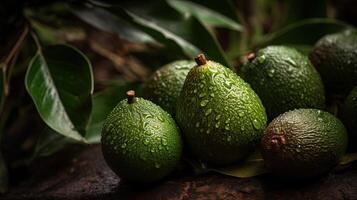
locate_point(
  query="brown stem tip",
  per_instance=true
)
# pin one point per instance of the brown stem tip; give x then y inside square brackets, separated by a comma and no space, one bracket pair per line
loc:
[130,96]
[251,56]
[201,59]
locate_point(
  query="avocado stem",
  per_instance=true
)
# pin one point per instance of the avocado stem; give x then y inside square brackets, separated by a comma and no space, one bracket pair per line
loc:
[251,56]
[276,141]
[201,59]
[130,96]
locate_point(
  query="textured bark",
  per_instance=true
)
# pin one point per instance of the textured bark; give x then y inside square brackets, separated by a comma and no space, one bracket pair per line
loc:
[84,175]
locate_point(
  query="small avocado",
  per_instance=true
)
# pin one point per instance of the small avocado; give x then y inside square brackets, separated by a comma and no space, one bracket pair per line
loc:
[349,113]
[303,143]
[221,117]
[284,79]
[164,86]
[140,141]
[335,57]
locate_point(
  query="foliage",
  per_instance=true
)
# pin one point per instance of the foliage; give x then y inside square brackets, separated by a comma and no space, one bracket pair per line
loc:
[59,77]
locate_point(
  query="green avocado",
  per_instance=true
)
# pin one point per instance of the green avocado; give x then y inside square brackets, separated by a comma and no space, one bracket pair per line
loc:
[349,113]
[140,141]
[335,57]
[284,79]
[164,86]
[221,117]
[303,143]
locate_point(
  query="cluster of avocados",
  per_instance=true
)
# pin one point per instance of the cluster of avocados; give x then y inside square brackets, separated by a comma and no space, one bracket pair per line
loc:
[220,116]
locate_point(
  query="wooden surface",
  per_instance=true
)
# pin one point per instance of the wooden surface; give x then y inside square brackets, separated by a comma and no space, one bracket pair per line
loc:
[84,175]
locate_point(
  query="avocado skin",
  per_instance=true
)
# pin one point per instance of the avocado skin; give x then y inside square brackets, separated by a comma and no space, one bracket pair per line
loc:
[349,114]
[164,86]
[140,141]
[221,117]
[284,79]
[313,143]
[335,57]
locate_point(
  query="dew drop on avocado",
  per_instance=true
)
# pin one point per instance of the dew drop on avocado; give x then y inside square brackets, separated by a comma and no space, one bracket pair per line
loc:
[256,124]
[204,103]
[208,111]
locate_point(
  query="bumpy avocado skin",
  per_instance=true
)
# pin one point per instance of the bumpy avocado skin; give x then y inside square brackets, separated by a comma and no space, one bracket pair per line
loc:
[284,79]
[335,57]
[308,143]
[221,117]
[164,86]
[140,141]
[349,113]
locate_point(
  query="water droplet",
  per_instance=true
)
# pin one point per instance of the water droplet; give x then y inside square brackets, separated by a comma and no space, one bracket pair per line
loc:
[157,165]
[164,141]
[197,124]
[208,112]
[217,124]
[152,150]
[201,85]
[271,72]
[241,114]
[210,87]
[291,61]
[261,59]
[208,131]
[212,94]
[227,127]
[195,91]
[229,138]
[218,116]
[204,103]
[146,141]
[123,145]
[201,95]
[256,124]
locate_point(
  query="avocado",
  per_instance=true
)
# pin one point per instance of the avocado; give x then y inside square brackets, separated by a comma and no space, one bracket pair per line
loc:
[335,57]
[164,86]
[140,141]
[221,117]
[284,79]
[303,143]
[349,113]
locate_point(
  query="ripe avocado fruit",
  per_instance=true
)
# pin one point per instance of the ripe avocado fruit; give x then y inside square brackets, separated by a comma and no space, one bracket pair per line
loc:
[164,86]
[349,113]
[335,58]
[140,141]
[284,79]
[303,143]
[221,117]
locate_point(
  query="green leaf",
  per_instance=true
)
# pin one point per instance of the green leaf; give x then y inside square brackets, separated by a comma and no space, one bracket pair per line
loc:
[225,7]
[60,82]
[103,103]
[348,159]
[305,32]
[252,166]
[104,20]
[49,143]
[174,30]
[3,175]
[206,15]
